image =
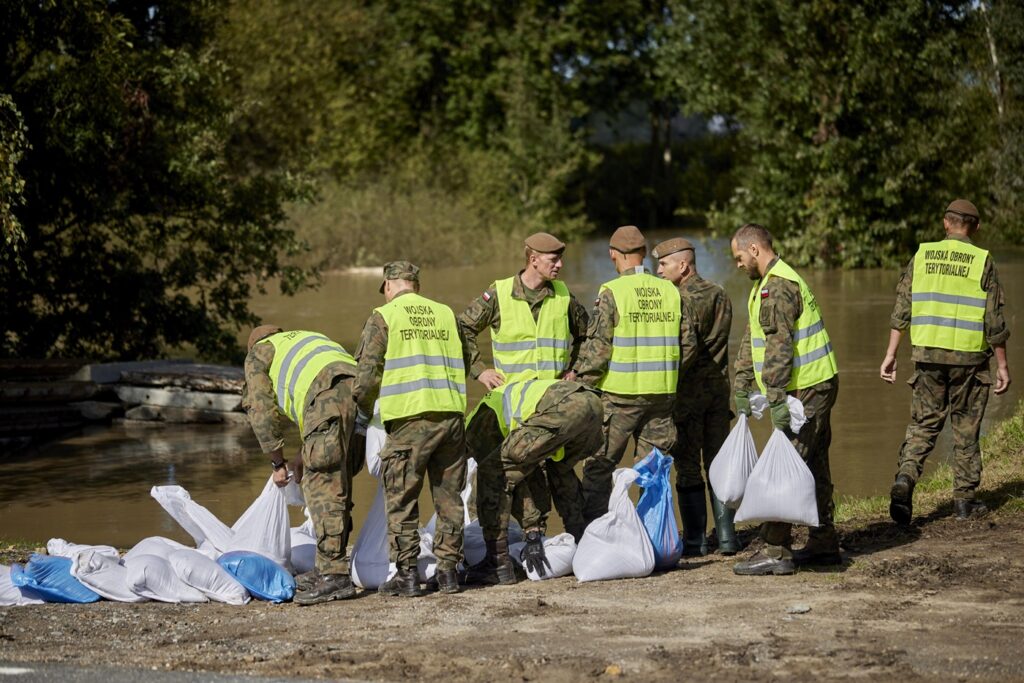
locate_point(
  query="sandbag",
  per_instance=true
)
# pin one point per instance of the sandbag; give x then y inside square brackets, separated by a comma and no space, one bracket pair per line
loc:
[104,575]
[375,438]
[303,553]
[370,565]
[58,547]
[559,551]
[154,545]
[733,464]
[657,509]
[50,578]
[265,527]
[781,487]
[615,545]
[261,576]
[151,576]
[208,577]
[201,524]
[759,406]
[11,595]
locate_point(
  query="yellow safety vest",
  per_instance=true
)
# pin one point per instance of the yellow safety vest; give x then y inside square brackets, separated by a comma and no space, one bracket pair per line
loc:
[645,346]
[515,402]
[299,357]
[423,368]
[524,345]
[947,309]
[814,361]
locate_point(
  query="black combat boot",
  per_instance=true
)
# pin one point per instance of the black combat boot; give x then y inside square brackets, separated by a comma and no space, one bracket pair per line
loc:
[968,507]
[901,497]
[694,511]
[765,562]
[496,568]
[328,587]
[447,580]
[405,583]
[725,530]
[306,580]
[822,548]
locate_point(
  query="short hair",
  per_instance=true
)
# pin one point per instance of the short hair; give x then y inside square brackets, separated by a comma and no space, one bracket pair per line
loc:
[960,220]
[752,233]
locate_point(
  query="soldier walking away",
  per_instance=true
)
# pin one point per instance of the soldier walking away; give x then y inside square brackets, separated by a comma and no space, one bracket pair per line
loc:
[632,356]
[516,429]
[787,351]
[950,297]
[702,412]
[411,357]
[308,378]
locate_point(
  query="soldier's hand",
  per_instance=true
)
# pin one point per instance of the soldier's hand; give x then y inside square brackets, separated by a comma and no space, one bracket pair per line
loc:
[780,415]
[570,376]
[1002,379]
[742,403]
[888,370]
[298,467]
[532,554]
[490,379]
[280,476]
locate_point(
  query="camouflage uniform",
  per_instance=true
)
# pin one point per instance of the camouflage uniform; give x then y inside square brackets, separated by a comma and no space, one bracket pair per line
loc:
[780,310]
[954,383]
[331,454]
[648,418]
[429,444]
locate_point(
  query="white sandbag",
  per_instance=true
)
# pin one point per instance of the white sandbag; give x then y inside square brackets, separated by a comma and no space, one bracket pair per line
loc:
[265,527]
[375,438]
[293,495]
[105,575]
[474,547]
[207,548]
[154,545]
[369,565]
[468,505]
[781,487]
[303,552]
[208,577]
[733,464]
[615,545]
[58,547]
[559,551]
[11,595]
[151,576]
[201,524]
[797,418]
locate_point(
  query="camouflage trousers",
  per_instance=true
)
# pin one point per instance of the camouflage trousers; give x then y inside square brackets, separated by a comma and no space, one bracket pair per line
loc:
[650,422]
[961,392]
[332,455]
[702,417]
[571,423]
[812,443]
[429,445]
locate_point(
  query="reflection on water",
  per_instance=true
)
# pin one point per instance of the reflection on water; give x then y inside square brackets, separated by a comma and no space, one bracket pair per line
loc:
[94,487]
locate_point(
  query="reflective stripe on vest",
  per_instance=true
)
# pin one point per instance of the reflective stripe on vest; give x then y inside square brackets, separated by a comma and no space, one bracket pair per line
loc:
[298,358]
[645,343]
[522,345]
[814,361]
[423,367]
[947,309]
[515,402]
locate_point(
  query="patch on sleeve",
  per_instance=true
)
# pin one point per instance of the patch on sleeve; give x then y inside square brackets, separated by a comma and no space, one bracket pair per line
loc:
[486,296]
[764,292]
[597,301]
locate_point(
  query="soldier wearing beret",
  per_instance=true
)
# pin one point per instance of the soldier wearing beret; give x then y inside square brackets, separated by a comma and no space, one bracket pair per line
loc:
[702,412]
[632,356]
[950,298]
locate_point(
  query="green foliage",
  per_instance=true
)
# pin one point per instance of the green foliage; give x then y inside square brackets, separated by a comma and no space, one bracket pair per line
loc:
[13,145]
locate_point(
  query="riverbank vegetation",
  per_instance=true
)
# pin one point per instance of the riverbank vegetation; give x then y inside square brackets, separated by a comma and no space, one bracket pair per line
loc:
[161,161]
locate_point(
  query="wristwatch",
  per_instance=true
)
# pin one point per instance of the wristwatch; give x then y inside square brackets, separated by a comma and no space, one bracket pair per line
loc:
[278,465]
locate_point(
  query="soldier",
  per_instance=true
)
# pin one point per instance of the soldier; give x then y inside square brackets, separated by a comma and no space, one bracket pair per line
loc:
[702,412]
[308,378]
[522,425]
[410,355]
[632,355]
[786,350]
[950,297]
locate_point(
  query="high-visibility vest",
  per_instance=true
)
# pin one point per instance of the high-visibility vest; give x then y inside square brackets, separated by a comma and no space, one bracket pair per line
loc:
[947,309]
[299,357]
[423,368]
[524,345]
[514,402]
[645,346]
[814,361]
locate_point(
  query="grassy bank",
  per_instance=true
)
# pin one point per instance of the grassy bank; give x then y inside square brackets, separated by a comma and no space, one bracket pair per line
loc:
[1002,480]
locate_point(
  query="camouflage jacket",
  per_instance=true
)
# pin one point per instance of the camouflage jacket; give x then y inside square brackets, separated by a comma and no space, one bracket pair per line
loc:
[483,312]
[996,330]
[706,320]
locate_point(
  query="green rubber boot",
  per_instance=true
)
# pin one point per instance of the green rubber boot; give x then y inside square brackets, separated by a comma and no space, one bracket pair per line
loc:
[725,530]
[693,509]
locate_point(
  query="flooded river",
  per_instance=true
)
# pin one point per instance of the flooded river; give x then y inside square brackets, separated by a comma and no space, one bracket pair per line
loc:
[94,487]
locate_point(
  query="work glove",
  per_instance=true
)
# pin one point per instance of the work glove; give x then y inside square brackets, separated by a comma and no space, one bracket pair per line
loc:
[742,399]
[780,415]
[532,554]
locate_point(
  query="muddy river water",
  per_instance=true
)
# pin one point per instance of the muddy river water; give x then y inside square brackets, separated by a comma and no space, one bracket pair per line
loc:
[93,487]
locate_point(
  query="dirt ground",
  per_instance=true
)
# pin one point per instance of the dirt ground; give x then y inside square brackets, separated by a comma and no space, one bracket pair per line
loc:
[942,600]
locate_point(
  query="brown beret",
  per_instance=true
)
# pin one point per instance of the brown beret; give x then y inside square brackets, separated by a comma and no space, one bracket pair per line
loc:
[544,243]
[400,270]
[671,246]
[964,208]
[626,239]
[261,332]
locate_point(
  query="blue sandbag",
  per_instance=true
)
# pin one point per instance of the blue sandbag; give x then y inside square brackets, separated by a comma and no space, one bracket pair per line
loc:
[51,578]
[657,510]
[263,577]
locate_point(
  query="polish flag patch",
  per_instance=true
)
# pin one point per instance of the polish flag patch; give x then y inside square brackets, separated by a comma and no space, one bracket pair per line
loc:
[764,292]
[486,296]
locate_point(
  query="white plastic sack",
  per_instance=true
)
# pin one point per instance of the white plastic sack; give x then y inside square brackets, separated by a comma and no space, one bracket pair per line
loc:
[11,595]
[615,545]
[559,550]
[103,574]
[293,494]
[474,547]
[797,417]
[154,545]
[58,547]
[733,464]
[152,577]
[201,524]
[781,487]
[375,437]
[369,564]
[265,527]
[303,553]
[208,577]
